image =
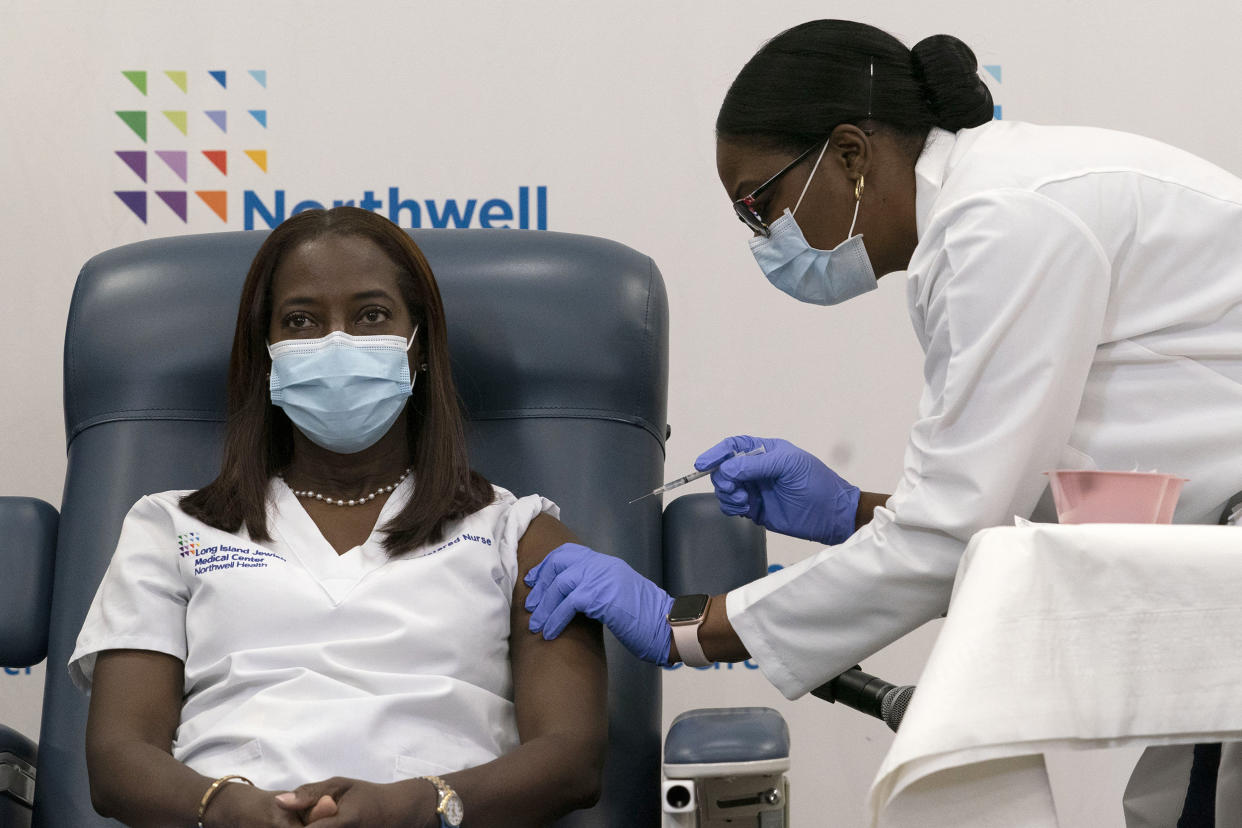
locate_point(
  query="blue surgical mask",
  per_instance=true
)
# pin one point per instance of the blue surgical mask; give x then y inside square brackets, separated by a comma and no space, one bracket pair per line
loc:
[343,392]
[821,277]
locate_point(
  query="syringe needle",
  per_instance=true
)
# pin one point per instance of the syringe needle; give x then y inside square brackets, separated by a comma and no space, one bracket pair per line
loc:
[695,475]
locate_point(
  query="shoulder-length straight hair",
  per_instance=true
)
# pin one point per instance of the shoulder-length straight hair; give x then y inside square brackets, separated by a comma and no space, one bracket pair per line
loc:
[258,441]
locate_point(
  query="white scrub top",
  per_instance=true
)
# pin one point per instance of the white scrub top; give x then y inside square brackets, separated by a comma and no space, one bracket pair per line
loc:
[302,664]
[1078,295]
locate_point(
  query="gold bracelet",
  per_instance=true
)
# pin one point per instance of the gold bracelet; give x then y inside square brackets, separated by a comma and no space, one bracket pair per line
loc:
[211,792]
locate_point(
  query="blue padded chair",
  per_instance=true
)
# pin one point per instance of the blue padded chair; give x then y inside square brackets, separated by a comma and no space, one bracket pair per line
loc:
[560,355]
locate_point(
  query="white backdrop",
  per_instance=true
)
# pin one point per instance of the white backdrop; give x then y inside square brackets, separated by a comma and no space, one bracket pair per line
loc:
[609,107]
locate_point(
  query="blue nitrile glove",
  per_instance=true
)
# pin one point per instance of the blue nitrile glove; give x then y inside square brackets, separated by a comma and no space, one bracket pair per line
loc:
[573,579]
[785,489]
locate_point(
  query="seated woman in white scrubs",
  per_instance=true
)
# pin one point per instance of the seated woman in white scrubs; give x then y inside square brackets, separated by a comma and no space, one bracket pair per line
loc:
[338,618]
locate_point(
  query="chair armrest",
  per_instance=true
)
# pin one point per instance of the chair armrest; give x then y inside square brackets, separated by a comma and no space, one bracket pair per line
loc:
[17,770]
[708,551]
[27,551]
[726,741]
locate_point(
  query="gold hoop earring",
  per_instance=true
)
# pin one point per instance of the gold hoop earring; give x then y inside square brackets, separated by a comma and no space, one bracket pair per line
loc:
[858,189]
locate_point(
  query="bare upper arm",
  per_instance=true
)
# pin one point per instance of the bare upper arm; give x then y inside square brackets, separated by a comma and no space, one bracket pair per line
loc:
[135,696]
[559,685]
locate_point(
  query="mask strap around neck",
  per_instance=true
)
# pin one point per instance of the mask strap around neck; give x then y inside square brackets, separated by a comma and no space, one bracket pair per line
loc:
[811,177]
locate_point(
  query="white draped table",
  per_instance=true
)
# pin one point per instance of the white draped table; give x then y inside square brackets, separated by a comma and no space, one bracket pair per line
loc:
[1067,637]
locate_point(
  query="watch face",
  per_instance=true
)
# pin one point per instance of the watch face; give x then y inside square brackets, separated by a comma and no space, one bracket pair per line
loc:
[453,812]
[687,608]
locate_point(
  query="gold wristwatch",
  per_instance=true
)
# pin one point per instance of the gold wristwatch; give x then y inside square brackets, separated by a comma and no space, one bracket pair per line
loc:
[448,807]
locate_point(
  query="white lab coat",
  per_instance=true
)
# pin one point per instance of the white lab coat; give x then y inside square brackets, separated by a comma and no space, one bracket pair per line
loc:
[302,664]
[1078,295]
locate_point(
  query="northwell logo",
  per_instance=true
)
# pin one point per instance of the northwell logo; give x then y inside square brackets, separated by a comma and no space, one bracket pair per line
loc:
[200,126]
[189,544]
[202,135]
[406,212]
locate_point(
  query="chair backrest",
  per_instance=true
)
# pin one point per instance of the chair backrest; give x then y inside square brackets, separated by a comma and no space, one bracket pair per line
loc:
[560,348]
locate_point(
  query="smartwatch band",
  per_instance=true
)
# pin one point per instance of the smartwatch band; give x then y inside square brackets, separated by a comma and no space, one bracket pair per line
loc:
[686,635]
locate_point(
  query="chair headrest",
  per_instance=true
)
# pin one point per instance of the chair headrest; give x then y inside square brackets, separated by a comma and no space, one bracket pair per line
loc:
[541,324]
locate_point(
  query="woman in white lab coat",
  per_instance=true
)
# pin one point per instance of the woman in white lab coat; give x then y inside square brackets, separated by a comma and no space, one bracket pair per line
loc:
[337,618]
[1078,296]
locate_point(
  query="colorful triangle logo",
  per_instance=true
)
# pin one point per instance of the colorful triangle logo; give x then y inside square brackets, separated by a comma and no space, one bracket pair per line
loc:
[994,71]
[136,160]
[259,157]
[177,161]
[136,201]
[219,117]
[178,77]
[220,158]
[217,200]
[260,75]
[135,120]
[260,115]
[178,119]
[176,201]
[221,76]
[138,79]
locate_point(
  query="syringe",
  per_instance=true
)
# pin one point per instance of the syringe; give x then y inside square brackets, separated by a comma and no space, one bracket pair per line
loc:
[695,475]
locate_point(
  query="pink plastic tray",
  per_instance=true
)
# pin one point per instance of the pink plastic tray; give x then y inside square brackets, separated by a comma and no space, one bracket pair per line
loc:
[1115,496]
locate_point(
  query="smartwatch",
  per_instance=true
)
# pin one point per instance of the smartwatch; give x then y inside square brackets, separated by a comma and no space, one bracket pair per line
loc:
[448,806]
[685,617]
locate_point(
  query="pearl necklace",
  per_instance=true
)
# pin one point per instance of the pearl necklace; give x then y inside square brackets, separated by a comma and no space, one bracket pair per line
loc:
[358,502]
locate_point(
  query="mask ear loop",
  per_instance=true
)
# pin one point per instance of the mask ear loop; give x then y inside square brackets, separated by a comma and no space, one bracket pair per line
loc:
[858,191]
[811,177]
[858,187]
[409,345]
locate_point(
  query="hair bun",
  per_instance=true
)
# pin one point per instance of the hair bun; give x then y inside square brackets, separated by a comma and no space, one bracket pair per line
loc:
[948,72]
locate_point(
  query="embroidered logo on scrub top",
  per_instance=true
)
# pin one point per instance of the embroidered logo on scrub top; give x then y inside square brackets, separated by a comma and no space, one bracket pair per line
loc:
[465,536]
[189,544]
[222,556]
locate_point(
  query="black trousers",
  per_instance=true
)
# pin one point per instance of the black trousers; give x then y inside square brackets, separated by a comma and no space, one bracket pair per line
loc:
[1199,810]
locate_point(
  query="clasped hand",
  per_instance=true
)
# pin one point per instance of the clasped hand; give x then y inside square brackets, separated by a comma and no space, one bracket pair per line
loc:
[333,803]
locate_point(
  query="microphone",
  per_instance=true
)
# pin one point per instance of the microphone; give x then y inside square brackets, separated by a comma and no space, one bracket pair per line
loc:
[868,694]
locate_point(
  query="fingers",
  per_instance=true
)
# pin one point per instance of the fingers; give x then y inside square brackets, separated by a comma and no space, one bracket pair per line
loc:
[550,568]
[533,575]
[555,600]
[312,801]
[756,467]
[732,497]
[537,587]
[714,455]
[325,807]
[559,618]
[723,483]
[298,800]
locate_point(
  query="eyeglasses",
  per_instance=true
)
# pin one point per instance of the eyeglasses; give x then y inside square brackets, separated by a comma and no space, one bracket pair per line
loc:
[745,206]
